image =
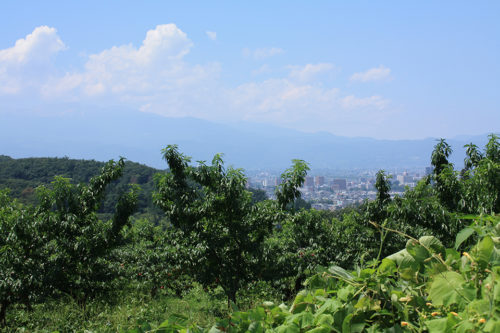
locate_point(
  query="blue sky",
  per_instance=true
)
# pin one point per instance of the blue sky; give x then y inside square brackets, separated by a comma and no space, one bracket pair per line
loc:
[386,69]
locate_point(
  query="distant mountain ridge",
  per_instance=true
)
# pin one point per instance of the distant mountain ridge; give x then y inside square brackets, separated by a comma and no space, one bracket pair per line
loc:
[109,133]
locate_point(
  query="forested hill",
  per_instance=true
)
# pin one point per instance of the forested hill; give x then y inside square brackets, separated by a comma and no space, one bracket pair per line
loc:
[23,175]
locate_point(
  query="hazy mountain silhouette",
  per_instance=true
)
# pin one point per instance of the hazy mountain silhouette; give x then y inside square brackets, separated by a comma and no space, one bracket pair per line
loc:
[110,133]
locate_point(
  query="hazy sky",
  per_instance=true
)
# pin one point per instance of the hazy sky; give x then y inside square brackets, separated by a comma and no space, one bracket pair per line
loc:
[386,69]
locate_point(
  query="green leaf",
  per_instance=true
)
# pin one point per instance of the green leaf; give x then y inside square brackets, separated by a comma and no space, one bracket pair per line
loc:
[178,319]
[321,329]
[448,288]
[315,282]
[340,272]
[492,326]
[437,325]
[387,266]
[306,319]
[290,328]
[352,324]
[330,306]
[462,236]
[345,293]
[398,256]
[433,244]
[464,326]
[324,319]
[479,306]
[417,251]
[484,250]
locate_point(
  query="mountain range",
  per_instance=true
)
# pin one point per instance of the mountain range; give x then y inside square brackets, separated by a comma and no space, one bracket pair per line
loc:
[104,134]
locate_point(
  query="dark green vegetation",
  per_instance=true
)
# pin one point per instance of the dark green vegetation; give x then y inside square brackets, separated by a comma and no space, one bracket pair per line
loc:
[22,176]
[217,246]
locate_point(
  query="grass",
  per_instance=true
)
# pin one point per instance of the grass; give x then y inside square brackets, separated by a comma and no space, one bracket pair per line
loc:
[129,308]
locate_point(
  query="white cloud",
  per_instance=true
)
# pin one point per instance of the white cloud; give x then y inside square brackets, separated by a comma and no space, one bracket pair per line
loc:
[309,71]
[28,62]
[38,46]
[211,34]
[156,77]
[132,73]
[304,106]
[262,53]
[373,74]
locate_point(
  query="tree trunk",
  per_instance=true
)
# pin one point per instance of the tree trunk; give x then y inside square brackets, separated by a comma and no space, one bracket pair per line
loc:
[3,311]
[231,297]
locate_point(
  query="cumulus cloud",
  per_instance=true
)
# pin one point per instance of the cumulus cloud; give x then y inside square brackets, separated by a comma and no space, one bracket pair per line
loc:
[309,71]
[373,74]
[156,77]
[132,73]
[28,61]
[38,46]
[301,105]
[262,53]
[211,34]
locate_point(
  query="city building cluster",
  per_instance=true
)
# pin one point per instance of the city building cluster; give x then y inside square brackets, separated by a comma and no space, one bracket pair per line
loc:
[332,192]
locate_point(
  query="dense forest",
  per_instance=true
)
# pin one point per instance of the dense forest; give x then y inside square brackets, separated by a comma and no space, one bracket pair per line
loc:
[22,176]
[219,260]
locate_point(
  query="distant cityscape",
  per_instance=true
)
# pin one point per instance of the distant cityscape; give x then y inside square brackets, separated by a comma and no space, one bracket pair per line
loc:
[332,192]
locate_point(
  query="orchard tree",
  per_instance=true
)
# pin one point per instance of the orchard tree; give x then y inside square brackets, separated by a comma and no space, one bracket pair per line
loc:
[446,182]
[291,180]
[79,243]
[493,148]
[481,182]
[473,156]
[60,245]
[211,207]
[23,256]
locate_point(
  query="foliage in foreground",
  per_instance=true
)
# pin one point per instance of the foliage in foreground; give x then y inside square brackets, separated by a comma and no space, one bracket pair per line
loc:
[423,287]
[61,246]
[215,234]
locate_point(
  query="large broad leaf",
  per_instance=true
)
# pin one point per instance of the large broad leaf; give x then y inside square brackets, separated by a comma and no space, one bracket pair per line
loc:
[484,250]
[398,256]
[340,272]
[301,302]
[417,251]
[449,288]
[492,326]
[433,244]
[462,236]
[442,325]
[306,320]
[464,326]
[408,267]
[424,248]
[437,325]
[404,259]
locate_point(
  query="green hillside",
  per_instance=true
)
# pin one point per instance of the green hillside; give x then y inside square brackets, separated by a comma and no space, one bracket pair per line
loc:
[22,176]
